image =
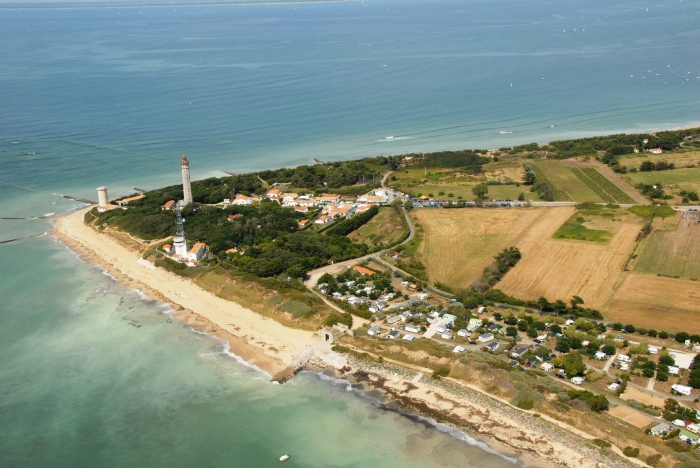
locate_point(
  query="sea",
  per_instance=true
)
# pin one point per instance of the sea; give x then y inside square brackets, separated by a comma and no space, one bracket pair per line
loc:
[96,374]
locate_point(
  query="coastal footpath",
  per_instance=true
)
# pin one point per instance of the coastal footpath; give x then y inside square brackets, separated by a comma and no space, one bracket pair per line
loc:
[273,347]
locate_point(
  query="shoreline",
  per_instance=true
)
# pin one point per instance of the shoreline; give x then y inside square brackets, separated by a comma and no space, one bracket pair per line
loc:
[272,347]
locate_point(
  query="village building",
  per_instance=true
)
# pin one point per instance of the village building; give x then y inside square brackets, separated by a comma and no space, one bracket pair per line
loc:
[361,208]
[234,216]
[682,389]
[323,220]
[412,328]
[288,199]
[167,248]
[493,346]
[303,223]
[393,334]
[196,253]
[242,200]
[660,429]
[273,194]
[375,330]
[486,337]
[656,151]
[341,211]
[301,209]
[169,205]
[688,437]
[329,198]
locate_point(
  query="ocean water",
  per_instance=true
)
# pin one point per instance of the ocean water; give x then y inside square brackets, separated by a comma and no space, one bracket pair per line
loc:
[93,374]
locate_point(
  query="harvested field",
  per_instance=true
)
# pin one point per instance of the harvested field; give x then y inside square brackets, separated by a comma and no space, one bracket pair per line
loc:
[646,398]
[656,302]
[560,269]
[630,416]
[459,243]
[674,253]
[609,174]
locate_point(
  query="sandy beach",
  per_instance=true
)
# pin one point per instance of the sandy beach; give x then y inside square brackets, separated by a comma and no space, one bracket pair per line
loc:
[273,347]
[259,341]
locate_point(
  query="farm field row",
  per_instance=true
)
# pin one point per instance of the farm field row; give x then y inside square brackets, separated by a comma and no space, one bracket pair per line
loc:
[559,195]
[674,253]
[386,228]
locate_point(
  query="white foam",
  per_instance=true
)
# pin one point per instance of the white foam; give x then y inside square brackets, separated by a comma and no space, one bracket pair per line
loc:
[447,429]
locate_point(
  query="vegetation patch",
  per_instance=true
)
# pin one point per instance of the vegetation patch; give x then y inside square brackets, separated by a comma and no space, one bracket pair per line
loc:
[650,211]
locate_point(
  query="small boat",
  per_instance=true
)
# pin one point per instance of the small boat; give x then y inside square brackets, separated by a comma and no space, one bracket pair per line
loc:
[504,133]
[284,458]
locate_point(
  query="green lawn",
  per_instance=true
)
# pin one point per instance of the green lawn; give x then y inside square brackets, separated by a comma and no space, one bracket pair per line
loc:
[563,179]
[574,229]
[688,178]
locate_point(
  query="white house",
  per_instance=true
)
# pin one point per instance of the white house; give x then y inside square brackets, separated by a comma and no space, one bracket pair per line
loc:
[547,367]
[323,220]
[242,200]
[578,380]
[195,254]
[623,358]
[656,150]
[485,337]
[493,346]
[375,330]
[613,386]
[682,389]
[301,209]
[601,355]
[459,349]
[463,332]
[412,328]
[393,319]
[653,350]
[673,370]
[660,429]
[408,337]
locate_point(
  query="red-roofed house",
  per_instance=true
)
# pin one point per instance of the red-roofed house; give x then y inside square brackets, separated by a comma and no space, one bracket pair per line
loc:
[242,200]
[273,194]
[656,151]
[169,205]
[167,248]
[196,252]
[303,223]
[329,198]
[365,271]
[236,216]
[301,209]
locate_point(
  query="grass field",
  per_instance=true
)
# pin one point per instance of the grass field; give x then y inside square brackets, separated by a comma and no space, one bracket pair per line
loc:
[656,302]
[563,179]
[386,228]
[594,223]
[416,182]
[673,181]
[673,253]
[560,269]
[458,244]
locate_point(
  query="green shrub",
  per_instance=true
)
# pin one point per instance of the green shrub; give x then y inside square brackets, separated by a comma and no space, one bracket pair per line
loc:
[631,452]
[602,443]
[653,460]
[526,398]
[441,372]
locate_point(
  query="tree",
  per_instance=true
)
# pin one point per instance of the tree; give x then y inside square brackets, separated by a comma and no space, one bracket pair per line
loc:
[544,304]
[529,177]
[682,336]
[532,333]
[573,364]
[523,325]
[576,343]
[630,328]
[667,360]
[617,326]
[511,331]
[575,301]
[609,349]
[563,345]
[647,166]
[559,307]
[555,329]
[480,191]
[521,197]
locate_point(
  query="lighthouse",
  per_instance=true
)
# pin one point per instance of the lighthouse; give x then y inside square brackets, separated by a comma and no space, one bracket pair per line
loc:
[186,186]
[179,241]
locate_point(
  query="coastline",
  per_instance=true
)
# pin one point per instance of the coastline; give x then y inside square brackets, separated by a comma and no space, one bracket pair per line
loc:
[258,340]
[273,347]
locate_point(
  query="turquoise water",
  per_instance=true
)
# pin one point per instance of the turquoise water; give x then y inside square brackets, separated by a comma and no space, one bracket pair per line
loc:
[93,374]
